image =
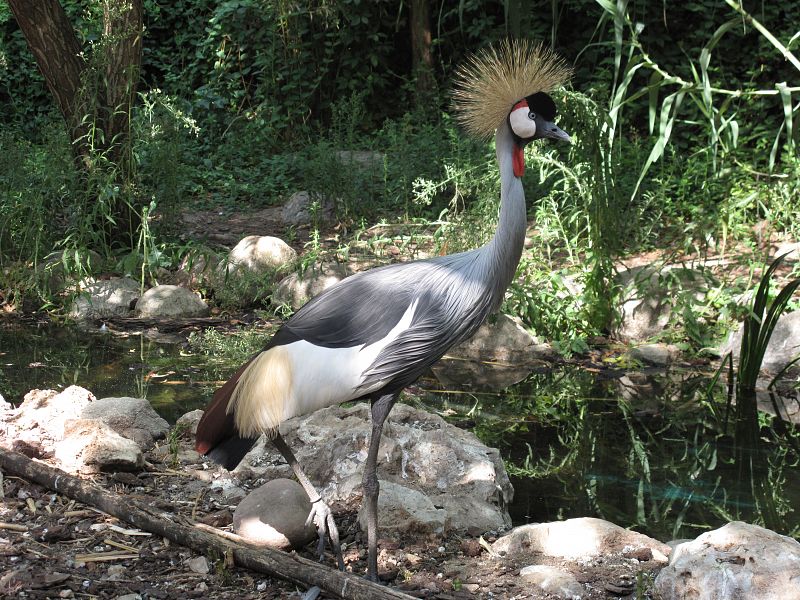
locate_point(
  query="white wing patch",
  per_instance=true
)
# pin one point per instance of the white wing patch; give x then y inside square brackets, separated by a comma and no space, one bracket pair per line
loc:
[326,376]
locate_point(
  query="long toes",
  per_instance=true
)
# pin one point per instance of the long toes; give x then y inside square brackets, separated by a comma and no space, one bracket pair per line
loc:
[333,532]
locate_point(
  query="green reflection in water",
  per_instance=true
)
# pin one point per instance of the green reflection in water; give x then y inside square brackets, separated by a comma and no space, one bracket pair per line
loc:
[647,451]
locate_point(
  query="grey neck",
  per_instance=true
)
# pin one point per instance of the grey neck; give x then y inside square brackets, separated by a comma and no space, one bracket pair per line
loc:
[505,248]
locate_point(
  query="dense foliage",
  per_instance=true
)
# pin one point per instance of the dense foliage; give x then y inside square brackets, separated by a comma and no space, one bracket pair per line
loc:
[684,116]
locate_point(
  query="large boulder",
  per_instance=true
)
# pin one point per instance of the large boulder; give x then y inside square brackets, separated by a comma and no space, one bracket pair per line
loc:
[115,297]
[418,450]
[736,562]
[784,345]
[171,302]
[304,208]
[502,338]
[40,419]
[501,353]
[649,296]
[404,509]
[577,539]
[260,255]
[297,288]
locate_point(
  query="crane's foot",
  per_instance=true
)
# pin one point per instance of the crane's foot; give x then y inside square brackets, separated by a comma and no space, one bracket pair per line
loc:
[322,517]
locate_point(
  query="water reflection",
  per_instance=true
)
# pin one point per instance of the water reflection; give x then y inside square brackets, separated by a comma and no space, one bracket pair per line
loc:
[653,451]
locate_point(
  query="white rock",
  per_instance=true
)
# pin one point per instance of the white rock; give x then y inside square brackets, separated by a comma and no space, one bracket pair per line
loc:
[448,465]
[44,412]
[189,421]
[114,297]
[298,288]
[274,515]
[402,509]
[736,562]
[553,580]
[198,564]
[501,338]
[574,539]
[170,301]
[91,446]
[655,354]
[260,255]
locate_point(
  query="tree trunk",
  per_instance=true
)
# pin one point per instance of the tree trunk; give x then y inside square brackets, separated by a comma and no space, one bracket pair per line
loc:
[94,94]
[421,56]
[55,46]
[104,89]
[122,37]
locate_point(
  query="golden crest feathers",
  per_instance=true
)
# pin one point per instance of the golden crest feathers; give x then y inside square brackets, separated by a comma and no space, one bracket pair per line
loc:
[489,83]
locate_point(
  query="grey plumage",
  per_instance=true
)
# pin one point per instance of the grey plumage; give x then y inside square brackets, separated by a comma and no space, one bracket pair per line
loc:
[374,333]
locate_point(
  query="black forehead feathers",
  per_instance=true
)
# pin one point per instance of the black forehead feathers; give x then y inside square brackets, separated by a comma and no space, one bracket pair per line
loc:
[543,105]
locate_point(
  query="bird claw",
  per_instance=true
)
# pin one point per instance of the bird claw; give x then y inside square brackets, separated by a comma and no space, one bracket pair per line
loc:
[322,517]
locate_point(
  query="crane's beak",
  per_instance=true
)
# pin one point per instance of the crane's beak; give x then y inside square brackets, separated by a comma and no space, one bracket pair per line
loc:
[554,132]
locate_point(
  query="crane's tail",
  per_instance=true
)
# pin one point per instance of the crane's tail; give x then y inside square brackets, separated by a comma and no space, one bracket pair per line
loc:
[217,436]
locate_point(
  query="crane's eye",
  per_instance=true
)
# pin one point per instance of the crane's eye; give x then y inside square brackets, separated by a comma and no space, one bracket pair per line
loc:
[532,116]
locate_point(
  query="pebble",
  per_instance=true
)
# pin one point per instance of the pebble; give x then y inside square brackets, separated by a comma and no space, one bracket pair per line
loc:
[198,564]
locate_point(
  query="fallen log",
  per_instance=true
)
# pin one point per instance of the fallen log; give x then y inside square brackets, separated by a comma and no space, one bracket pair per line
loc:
[290,567]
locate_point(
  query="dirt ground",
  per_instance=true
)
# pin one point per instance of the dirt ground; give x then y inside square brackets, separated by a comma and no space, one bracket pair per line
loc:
[54,547]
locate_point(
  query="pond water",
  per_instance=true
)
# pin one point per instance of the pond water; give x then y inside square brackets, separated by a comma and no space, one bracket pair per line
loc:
[650,450]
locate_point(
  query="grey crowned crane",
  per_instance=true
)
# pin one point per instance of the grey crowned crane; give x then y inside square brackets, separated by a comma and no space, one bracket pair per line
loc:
[374,333]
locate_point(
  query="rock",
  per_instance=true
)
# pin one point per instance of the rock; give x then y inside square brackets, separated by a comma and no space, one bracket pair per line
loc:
[113,297]
[298,288]
[116,573]
[170,301]
[402,509]
[450,466]
[736,562]
[54,273]
[132,418]
[649,296]
[196,268]
[91,446]
[552,580]
[575,539]
[274,515]
[260,255]
[784,345]
[198,564]
[501,353]
[502,339]
[42,414]
[655,354]
[298,210]
[188,422]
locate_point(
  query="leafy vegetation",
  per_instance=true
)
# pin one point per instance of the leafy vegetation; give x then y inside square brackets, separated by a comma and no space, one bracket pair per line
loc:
[683,143]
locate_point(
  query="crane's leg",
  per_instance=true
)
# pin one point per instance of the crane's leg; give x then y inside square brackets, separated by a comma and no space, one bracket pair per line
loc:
[320,513]
[380,410]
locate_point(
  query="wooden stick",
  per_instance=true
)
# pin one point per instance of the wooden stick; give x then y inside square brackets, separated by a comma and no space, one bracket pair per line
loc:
[291,567]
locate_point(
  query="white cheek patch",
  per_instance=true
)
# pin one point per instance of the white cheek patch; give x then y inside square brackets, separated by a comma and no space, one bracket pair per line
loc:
[521,124]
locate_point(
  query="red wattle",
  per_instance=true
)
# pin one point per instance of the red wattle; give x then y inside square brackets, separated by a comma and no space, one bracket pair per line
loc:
[518,160]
